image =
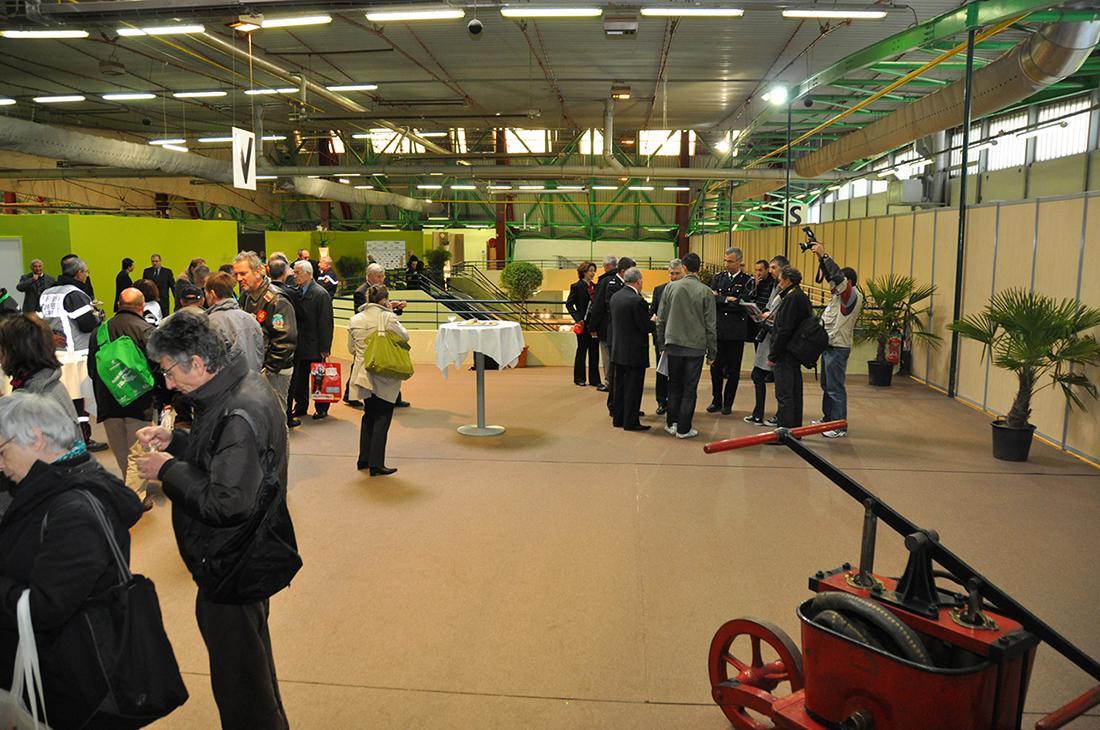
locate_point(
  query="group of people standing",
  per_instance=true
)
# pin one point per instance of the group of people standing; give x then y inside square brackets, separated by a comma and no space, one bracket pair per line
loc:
[691,322]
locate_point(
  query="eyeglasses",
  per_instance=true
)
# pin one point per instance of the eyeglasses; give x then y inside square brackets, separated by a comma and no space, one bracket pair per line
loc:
[168,372]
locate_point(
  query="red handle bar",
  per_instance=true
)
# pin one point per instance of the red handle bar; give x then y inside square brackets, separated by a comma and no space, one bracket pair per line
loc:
[771,436]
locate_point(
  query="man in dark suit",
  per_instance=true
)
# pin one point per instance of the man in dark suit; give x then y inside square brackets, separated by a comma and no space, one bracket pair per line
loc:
[631,325]
[786,369]
[675,272]
[596,314]
[314,341]
[729,287]
[602,315]
[123,280]
[165,281]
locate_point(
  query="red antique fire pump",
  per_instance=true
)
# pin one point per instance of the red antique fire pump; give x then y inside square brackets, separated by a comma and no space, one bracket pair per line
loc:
[883,653]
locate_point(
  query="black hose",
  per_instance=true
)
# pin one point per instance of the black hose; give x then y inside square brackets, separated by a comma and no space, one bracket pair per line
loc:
[908,644]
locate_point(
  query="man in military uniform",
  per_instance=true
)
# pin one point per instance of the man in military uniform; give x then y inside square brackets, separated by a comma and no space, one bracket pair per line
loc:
[729,287]
[275,314]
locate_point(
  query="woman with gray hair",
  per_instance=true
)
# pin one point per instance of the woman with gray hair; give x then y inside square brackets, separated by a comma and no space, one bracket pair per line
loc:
[52,543]
[27,355]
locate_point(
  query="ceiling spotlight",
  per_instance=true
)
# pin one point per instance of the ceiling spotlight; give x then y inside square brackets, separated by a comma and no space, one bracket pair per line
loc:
[620,92]
[399,16]
[777,95]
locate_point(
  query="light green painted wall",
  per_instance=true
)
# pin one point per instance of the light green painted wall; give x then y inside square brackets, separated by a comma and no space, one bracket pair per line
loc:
[44,237]
[350,243]
[288,242]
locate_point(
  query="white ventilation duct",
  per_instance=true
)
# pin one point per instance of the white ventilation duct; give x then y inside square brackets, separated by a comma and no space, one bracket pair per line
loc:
[342,193]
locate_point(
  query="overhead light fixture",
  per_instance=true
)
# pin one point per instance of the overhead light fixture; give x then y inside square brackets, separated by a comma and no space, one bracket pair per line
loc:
[136,96]
[353,87]
[620,92]
[675,12]
[676,188]
[267,177]
[570,188]
[213,140]
[364,187]
[353,174]
[161,30]
[640,188]
[464,187]
[58,99]
[424,186]
[777,95]
[500,187]
[605,187]
[247,23]
[837,13]
[343,180]
[6,102]
[431,134]
[172,140]
[525,11]
[273,137]
[44,33]
[295,22]
[198,94]
[174,147]
[399,16]
[1028,133]
[268,92]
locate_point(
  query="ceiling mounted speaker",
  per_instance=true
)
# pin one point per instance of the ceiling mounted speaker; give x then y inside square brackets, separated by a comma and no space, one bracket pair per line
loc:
[621,26]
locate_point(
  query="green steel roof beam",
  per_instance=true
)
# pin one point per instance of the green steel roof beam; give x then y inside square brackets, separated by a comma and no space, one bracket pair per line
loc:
[893,65]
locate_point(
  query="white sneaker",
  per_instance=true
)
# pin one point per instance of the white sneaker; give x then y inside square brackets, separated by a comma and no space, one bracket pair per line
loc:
[835,434]
[671,429]
[814,423]
[690,434]
[770,422]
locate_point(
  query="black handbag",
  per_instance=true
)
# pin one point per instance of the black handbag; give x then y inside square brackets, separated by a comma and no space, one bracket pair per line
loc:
[133,650]
[808,342]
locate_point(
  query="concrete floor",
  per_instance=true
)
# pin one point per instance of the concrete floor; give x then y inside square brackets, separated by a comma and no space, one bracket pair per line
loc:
[572,575]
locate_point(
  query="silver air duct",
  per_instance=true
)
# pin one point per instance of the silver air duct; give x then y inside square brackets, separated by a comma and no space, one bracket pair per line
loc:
[346,194]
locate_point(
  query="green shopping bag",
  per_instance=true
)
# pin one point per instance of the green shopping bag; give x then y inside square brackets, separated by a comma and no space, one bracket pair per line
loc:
[387,355]
[122,367]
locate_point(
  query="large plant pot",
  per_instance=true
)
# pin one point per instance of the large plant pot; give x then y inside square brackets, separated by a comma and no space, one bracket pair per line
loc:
[1011,444]
[522,363]
[880,374]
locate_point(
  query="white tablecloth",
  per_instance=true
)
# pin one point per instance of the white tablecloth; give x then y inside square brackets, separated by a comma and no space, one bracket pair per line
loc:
[502,341]
[74,376]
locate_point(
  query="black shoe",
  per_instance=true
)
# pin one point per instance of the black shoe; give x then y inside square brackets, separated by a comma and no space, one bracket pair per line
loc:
[402,404]
[381,471]
[293,422]
[602,388]
[640,427]
[361,465]
[354,403]
[319,416]
[727,411]
[147,503]
[661,410]
[580,383]
[93,445]
[641,413]
[713,408]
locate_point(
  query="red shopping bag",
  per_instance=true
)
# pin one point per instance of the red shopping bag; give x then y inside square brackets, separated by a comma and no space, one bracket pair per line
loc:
[325,383]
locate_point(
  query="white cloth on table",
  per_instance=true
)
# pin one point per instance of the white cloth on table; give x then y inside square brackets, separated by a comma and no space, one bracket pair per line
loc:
[500,340]
[74,376]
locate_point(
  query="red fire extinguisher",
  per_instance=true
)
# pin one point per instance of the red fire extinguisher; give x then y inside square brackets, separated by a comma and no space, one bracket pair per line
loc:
[893,350]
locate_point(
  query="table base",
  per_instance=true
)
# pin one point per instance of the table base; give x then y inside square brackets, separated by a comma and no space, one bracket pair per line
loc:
[474,430]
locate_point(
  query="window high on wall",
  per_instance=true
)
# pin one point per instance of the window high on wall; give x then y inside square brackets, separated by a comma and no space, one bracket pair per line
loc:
[386,141]
[1058,141]
[591,142]
[1010,150]
[956,151]
[663,142]
[533,141]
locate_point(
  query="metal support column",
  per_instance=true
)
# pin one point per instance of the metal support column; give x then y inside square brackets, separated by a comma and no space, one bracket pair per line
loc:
[787,189]
[956,312]
[501,239]
[683,211]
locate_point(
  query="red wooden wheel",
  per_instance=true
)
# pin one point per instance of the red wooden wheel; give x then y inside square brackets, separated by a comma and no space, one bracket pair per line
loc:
[741,685]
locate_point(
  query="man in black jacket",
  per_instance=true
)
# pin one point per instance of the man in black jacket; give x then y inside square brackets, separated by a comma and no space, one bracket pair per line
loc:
[275,313]
[219,476]
[729,287]
[600,313]
[123,422]
[675,273]
[314,341]
[32,284]
[165,281]
[631,325]
[594,319]
[786,369]
[123,280]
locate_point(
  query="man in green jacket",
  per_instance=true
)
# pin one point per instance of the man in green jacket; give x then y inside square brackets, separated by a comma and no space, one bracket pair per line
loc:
[686,329]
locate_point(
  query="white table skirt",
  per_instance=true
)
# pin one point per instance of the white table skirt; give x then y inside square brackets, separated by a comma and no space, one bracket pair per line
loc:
[74,376]
[502,341]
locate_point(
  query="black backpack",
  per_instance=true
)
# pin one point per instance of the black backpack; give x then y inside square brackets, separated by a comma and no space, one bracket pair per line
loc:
[808,342]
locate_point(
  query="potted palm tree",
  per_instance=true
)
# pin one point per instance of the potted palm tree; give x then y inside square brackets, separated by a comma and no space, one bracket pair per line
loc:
[1034,336]
[890,310]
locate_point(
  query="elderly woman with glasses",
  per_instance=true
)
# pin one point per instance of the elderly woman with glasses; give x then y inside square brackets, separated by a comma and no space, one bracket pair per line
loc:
[52,544]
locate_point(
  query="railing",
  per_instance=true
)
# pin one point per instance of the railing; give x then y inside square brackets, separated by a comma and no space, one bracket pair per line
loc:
[562,262]
[532,315]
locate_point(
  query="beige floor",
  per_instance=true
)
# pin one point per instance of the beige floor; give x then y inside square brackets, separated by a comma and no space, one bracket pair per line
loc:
[570,575]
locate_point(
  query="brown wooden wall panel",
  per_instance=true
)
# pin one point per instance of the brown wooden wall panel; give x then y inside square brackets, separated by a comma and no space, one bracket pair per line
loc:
[903,245]
[981,225]
[942,310]
[868,245]
[923,234]
[1083,428]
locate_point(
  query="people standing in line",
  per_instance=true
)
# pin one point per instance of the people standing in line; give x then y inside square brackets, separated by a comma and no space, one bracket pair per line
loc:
[52,544]
[123,279]
[29,357]
[275,314]
[85,285]
[73,317]
[595,322]
[314,341]
[601,310]
[378,393]
[32,284]
[327,276]
[151,293]
[675,273]
[786,369]
[581,294]
[222,476]
[165,281]
[687,330]
[730,287]
[763,285]
[839,320]
[123,422]
[238,328]
[631,326]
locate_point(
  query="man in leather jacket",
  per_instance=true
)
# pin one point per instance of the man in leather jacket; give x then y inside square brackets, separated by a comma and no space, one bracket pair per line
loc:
[275,313]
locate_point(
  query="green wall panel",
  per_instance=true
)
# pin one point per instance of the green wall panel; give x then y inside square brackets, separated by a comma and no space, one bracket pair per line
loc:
[44,237]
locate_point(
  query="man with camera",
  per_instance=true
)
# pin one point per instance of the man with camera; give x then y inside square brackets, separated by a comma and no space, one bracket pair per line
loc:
[729,287]
[839,319]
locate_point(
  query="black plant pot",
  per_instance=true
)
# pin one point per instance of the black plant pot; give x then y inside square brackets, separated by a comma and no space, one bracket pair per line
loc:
[1010,443]
[880,373]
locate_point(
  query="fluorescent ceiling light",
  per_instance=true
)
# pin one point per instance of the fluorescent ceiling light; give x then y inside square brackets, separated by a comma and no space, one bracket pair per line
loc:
[343,180]
[464,187]
[361,135]
[570,188]
[429,187]
[174,147]
[44,33]
[161,30]
[58,99]
[173,140]
[267,177]
[364,187]
[531,187]
[436,174]
[563,12]
[136,96]
[264,92]
[639,187]
[710,223]
[294,22]
[438,218]
[6,102]
[605,187]
[198,94]
[397,16]
[673,12]
[213,140]
[273,137]
[353,87]
[500,187]
[431,134]
[677,188]
[823,13]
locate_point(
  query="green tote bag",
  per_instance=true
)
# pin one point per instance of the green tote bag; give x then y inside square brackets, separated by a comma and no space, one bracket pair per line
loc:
[122,367]
[387,355]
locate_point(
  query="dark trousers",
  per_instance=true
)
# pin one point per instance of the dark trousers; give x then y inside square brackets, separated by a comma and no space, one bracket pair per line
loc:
[760,377]
[683,384]
[373,431]
[588,350]
[242,668]
[628,395]
[788,391]
[297,397]
[662,382]
[726,368]
[83,419]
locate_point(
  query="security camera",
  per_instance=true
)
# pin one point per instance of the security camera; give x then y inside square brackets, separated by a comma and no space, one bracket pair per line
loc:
[474,27]
[146,121]
[807,102]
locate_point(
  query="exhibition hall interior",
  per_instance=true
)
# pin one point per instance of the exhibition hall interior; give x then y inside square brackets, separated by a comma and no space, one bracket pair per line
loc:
[546,364]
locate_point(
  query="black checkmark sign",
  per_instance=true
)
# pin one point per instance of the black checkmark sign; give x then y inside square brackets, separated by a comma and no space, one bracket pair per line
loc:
[246,158]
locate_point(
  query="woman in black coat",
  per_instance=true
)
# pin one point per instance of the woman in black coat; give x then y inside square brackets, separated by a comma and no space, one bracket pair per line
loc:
[52,544]
[580,298]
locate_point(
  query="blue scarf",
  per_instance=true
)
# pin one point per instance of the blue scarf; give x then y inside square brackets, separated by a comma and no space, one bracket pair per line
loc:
[78,449]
